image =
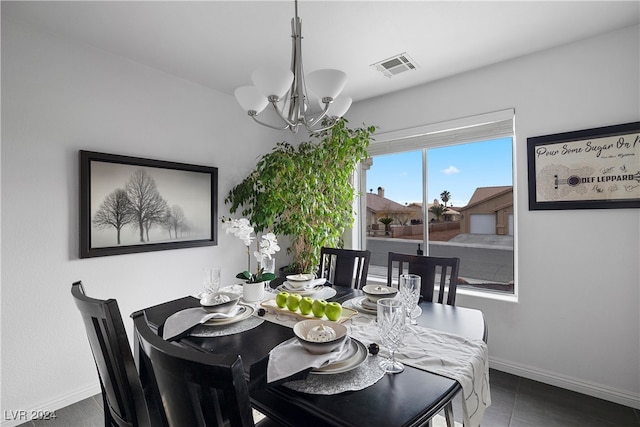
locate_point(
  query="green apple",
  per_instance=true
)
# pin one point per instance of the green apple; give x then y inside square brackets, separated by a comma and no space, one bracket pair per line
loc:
[318,307]
[333,311]
[293,301]
[306,304]
[281,299]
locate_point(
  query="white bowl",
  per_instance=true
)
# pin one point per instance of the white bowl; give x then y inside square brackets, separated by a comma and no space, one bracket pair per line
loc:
[375,292]
[209,302]
[302,328]
[299,281]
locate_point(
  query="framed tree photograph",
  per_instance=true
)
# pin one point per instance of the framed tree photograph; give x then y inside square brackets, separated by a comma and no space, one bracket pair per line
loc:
[130,204]
[595,168]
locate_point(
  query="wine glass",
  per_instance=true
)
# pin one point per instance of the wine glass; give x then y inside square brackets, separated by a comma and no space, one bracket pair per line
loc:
[391,326]
[269,266]
[211,279]
[410,293]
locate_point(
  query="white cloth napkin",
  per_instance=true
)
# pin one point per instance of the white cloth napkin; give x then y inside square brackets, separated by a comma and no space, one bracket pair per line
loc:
[290,357]
[185,320]
[316,282]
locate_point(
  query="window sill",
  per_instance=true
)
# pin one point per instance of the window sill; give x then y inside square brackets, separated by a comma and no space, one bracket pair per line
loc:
[488,295]
[497,296]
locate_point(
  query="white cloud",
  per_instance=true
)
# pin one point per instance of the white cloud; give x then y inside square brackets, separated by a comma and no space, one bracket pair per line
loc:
[450,170]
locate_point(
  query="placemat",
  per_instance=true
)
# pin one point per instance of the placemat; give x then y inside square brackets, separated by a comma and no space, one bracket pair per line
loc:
[222,330]
[359,378]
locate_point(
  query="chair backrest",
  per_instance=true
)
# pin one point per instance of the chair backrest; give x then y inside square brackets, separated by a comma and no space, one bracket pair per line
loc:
[345,267]
[196,388]
[123,396]
[428,268]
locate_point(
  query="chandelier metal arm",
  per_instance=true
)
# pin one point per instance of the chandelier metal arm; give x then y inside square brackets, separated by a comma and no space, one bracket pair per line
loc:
[254,117]
[297,93]
[322,115]
[331,123]
[274,103]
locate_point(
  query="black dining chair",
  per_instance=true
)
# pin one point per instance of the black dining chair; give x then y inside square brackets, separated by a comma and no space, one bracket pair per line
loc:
[196,389]
[345,267]
[428,268]
[125,401]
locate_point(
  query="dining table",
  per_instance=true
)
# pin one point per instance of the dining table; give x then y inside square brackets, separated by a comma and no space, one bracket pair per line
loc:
[410,398]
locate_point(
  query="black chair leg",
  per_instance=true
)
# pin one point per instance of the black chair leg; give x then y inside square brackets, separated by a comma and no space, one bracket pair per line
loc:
[448,414]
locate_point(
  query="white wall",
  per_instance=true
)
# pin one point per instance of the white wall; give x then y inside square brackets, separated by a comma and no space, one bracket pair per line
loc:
[58,98]
[576,323]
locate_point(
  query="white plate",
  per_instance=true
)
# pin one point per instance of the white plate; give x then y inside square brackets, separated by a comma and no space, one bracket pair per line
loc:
[354,358]
[368,304]
[358,304]
[245,312]
[303,291]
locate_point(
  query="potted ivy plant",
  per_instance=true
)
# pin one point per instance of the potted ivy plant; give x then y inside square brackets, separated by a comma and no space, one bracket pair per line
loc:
[305,191]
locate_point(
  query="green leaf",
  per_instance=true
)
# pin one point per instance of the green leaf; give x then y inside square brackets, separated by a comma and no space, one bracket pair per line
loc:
[245,275]
[267,276]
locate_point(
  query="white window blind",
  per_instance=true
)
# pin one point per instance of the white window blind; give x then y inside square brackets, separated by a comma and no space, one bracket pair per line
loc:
[469,129]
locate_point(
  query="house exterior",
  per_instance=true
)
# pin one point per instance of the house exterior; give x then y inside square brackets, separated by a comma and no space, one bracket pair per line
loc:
[489,211]
[379,207]
[451,214]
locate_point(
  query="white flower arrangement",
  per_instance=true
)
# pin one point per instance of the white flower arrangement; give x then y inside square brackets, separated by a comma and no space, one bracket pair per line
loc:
[267,247]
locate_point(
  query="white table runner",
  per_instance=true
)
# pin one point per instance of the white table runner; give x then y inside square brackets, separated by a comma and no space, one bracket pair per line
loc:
[449,355]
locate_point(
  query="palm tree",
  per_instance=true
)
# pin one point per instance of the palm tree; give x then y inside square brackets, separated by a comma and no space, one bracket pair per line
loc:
[438,210]
[386,221]
[445,196]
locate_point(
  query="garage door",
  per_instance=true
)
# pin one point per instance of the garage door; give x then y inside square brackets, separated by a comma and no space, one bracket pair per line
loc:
[483,224]
[510,224]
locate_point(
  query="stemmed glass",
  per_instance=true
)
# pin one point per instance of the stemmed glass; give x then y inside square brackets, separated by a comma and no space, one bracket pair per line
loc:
[211,279]
[410,293]
[391,326]
[269,266]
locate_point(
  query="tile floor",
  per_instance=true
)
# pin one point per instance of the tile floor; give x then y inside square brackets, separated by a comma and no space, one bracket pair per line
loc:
[516,402]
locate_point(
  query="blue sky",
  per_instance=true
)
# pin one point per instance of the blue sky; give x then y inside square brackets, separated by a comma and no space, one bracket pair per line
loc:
[458,169]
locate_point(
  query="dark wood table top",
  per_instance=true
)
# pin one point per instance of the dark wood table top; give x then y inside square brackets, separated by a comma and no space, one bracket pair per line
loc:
[410,398]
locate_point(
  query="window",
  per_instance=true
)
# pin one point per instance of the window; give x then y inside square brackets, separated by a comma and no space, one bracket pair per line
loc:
[445,190]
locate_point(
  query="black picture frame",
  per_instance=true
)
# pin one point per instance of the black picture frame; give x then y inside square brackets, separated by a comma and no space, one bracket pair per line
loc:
[138,220]
[596,168]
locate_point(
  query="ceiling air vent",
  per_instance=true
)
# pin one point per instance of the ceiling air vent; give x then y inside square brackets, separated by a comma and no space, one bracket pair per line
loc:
[395,65]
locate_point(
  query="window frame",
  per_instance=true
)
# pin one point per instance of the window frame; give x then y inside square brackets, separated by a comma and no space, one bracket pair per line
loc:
[494,125]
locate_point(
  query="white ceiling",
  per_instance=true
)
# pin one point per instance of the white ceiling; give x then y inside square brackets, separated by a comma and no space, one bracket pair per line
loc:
[219,43]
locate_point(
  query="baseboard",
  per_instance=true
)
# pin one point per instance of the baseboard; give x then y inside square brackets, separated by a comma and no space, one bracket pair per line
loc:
[574,384]
[10,419]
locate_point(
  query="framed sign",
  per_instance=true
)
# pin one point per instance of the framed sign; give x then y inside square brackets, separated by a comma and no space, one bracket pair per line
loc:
[129,204]
[588,169]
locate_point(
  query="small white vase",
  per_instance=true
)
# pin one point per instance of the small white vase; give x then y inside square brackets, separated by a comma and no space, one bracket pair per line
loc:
[253,292]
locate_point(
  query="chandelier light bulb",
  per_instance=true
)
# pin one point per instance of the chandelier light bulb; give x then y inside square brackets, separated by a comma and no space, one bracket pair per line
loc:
[272,81]
[250,99]
[339,106]
[326,83]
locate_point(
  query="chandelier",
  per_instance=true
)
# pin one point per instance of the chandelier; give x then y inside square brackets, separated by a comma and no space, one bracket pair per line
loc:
[311,101]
